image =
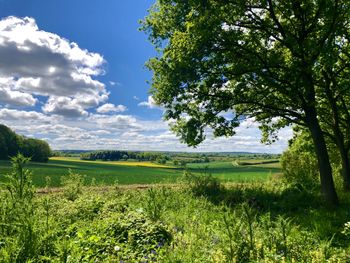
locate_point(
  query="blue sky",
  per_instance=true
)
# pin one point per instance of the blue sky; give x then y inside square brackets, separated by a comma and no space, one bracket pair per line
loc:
[110,29]
[72,73]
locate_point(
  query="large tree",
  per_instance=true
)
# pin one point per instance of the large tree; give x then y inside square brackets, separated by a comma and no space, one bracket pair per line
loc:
[334,100]
[258,59]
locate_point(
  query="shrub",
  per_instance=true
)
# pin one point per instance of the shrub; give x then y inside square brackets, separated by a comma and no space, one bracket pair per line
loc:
[155,203]
[202,185]
[299,163]
[130,237]
[72,185]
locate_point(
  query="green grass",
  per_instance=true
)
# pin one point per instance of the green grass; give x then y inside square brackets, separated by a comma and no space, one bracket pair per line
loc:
[227,171]
[108,173]
[199,220]
[174,225]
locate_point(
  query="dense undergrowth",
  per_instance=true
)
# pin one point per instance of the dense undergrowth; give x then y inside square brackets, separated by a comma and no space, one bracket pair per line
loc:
[199,221]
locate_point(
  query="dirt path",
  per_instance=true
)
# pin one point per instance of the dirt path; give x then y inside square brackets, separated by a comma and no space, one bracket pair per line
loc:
[109,188]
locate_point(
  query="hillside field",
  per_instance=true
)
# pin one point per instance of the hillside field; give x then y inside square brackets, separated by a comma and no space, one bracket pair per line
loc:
[107,173]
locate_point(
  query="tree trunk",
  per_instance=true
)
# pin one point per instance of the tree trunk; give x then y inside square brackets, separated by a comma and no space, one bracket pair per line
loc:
[345,169]
[327,183]
[338,135]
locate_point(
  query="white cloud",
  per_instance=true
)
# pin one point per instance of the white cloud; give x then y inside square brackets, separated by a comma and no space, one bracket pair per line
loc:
[10,117]
[9,94]
[35,62]
[150,103]
[18,98]
[64,106]
[38,67]
[114,122]
[108,107]
[99,131]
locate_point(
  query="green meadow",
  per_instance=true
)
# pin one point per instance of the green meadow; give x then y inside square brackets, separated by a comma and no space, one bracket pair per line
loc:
[107,173]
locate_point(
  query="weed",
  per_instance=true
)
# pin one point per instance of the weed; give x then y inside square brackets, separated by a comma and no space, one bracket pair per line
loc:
[72,185]
[202,185]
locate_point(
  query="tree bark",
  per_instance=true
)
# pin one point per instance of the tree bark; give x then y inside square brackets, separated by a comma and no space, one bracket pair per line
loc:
[326,177]
[345,163]
[338,135]
[345,170]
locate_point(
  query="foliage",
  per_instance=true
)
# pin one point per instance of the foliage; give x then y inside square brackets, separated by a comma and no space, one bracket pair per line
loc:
[203,184]
[18,219]
[11,144]
[37,150]
[124,237]
[246,223]
[123,155]
[299,163]
[155,203]
[72,185]
[266,60]
[346,230]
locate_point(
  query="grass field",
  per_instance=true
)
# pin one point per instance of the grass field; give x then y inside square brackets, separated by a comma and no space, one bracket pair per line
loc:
[107,173]
[198,220]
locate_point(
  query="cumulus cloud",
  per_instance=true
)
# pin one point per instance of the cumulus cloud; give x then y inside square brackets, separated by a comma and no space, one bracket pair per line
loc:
[114,122]
[64,106]
[10,96]
[100,131]
[10,117]
[34,62]
[42,68]
[150,103]
[109,107]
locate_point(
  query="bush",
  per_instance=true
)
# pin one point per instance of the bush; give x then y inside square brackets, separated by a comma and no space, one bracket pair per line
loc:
[122,237]
[155,203]
[203,185]
[299,163]
[72,185]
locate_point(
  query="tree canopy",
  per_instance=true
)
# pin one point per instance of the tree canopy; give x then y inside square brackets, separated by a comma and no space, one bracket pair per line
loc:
[11,144]
[260,59]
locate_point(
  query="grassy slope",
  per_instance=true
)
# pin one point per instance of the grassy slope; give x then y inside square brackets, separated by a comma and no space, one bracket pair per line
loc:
[138,172]
[287,225]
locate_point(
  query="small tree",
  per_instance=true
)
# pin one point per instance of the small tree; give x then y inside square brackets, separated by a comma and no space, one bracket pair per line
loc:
[299,163]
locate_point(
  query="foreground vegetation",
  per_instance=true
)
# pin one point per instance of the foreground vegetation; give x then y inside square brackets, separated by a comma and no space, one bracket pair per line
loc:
[199,221]
[109,173]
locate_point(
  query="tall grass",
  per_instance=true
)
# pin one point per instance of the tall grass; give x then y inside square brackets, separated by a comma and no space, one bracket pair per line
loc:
[202,220]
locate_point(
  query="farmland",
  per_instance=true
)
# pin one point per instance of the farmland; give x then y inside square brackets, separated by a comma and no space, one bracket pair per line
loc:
[121,172]
[201,219]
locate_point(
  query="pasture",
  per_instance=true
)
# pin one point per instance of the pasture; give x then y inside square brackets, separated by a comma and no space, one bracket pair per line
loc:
[121,172]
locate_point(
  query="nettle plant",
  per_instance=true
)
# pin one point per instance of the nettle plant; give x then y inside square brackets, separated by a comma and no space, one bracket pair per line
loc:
[17,217]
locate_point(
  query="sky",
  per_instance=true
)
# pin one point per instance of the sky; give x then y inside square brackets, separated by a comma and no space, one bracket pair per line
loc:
[72,73]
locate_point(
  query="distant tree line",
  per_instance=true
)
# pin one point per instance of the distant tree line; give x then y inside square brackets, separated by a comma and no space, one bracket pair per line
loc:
[125,155]
[12,143]
[183,160]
